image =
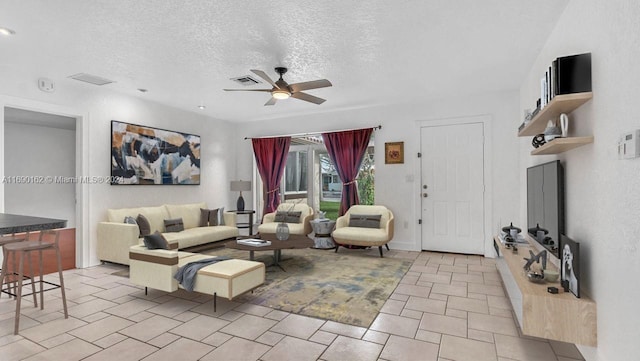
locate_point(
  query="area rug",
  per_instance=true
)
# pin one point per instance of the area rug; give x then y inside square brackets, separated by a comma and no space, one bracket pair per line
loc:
[347,287]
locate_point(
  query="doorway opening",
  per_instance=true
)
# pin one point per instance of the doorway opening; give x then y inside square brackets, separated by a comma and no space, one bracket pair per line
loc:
[40,160]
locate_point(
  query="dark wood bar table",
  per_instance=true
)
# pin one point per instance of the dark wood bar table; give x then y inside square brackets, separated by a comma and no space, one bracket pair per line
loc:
[14,223]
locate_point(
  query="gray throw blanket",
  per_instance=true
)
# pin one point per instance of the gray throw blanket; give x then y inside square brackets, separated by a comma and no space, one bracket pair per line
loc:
[186,274]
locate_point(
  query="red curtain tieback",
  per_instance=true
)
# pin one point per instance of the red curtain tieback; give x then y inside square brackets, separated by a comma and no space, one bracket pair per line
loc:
[350,183]
[273,190]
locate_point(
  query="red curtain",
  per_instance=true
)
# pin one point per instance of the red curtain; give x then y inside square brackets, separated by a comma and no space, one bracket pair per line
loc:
[346,150]
[271,157]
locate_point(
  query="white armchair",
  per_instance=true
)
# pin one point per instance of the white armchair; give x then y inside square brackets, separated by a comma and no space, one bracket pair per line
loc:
[347,233]
[301,227]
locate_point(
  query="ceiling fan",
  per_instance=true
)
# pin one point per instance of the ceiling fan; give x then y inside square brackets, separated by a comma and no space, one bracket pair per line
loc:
[282,90]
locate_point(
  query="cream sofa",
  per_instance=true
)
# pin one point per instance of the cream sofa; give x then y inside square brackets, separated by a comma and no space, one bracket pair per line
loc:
[359,236]
[116,237]
[229,278]
[302,227]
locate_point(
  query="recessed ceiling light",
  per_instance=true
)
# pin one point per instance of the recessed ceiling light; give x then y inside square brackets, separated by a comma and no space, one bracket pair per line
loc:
[6,31]
[202,107]
[142,90]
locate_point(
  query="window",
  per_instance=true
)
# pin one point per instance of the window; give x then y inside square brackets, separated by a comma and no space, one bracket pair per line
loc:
[295,172]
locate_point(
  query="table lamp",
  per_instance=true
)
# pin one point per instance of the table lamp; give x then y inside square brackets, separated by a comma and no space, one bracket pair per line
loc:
[239,186]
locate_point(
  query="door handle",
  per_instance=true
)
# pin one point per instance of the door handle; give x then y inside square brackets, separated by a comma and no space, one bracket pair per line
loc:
[425,195]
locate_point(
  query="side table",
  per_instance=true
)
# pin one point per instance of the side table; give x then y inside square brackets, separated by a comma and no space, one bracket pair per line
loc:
[322,229]
[249,224]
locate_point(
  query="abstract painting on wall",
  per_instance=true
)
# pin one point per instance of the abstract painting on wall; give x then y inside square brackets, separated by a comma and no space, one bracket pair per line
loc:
[146,155]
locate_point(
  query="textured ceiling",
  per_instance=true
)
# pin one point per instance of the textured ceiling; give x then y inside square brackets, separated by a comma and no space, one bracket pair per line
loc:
[374,52]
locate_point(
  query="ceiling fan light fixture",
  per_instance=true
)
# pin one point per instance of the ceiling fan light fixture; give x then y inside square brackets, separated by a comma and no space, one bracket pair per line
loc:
[280,94]
[6,31]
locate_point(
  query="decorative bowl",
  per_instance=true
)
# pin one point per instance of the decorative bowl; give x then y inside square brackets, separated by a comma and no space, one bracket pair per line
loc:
[535,277]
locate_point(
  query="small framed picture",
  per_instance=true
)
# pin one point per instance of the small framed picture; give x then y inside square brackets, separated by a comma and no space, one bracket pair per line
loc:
[570,264]
[394,153]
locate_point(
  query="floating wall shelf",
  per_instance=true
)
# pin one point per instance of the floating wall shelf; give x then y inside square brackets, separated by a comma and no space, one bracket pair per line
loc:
[560,145]
[559,104]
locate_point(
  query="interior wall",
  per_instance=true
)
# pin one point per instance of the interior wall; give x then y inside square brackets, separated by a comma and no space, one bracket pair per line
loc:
[32,150]
[398,185]
[602,192]
[100,105]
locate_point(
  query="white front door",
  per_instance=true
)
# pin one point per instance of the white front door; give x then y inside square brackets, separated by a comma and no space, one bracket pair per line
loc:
[453,188]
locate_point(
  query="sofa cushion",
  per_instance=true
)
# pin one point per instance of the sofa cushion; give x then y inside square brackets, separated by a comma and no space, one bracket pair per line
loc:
[173,225]
[155,216]
[360,234]
[201,235]
[155,241]
[365,220]
[143,225]
[190,213]
[296,207]
[294,228]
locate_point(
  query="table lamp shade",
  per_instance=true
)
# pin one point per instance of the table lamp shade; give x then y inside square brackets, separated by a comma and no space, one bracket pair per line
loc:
[239,186]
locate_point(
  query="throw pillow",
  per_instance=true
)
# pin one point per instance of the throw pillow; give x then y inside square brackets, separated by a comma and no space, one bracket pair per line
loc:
[155,241]
[174,225]
[213,217]
[204,217]
[365,220]
[281,216]
[130,220]
[144,225]
[220,217]
[293,217]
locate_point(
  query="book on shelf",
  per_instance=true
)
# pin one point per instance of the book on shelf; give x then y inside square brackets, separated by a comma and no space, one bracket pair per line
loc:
[566,75]
[573,74]
[254,242]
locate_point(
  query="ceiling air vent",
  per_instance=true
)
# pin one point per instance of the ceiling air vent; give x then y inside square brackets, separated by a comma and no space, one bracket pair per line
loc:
[91,79]
[246,80]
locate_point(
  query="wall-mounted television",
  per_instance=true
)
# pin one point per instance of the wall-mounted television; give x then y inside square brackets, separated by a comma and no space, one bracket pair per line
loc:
[545,204]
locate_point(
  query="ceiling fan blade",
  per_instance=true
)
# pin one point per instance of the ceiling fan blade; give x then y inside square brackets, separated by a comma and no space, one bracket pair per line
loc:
[307,97]
[247,90]
[314,84]
[264,76]
[271,101]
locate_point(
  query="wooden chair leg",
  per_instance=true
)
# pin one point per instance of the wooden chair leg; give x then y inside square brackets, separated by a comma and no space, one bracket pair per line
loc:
[336,251]
[386,245]
[380,249]
[41,282]
[14,280]
[19,293]
[64,297]
[33,278]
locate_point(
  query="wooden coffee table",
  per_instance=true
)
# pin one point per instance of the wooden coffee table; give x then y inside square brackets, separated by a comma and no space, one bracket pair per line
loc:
[294,242]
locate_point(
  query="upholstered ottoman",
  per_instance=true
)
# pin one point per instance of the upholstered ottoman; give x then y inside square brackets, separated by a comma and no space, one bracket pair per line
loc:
[229,278]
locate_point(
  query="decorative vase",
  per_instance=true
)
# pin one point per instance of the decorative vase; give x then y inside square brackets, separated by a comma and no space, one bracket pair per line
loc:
[282,232]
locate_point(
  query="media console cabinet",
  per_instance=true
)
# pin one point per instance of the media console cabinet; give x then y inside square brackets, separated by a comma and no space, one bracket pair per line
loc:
[561,316]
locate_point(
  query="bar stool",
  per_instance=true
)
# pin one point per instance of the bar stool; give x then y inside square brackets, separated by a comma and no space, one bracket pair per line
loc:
[6,239]
[24,249]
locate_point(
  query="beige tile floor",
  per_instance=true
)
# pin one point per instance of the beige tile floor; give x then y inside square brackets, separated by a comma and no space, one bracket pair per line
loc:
[447,307]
